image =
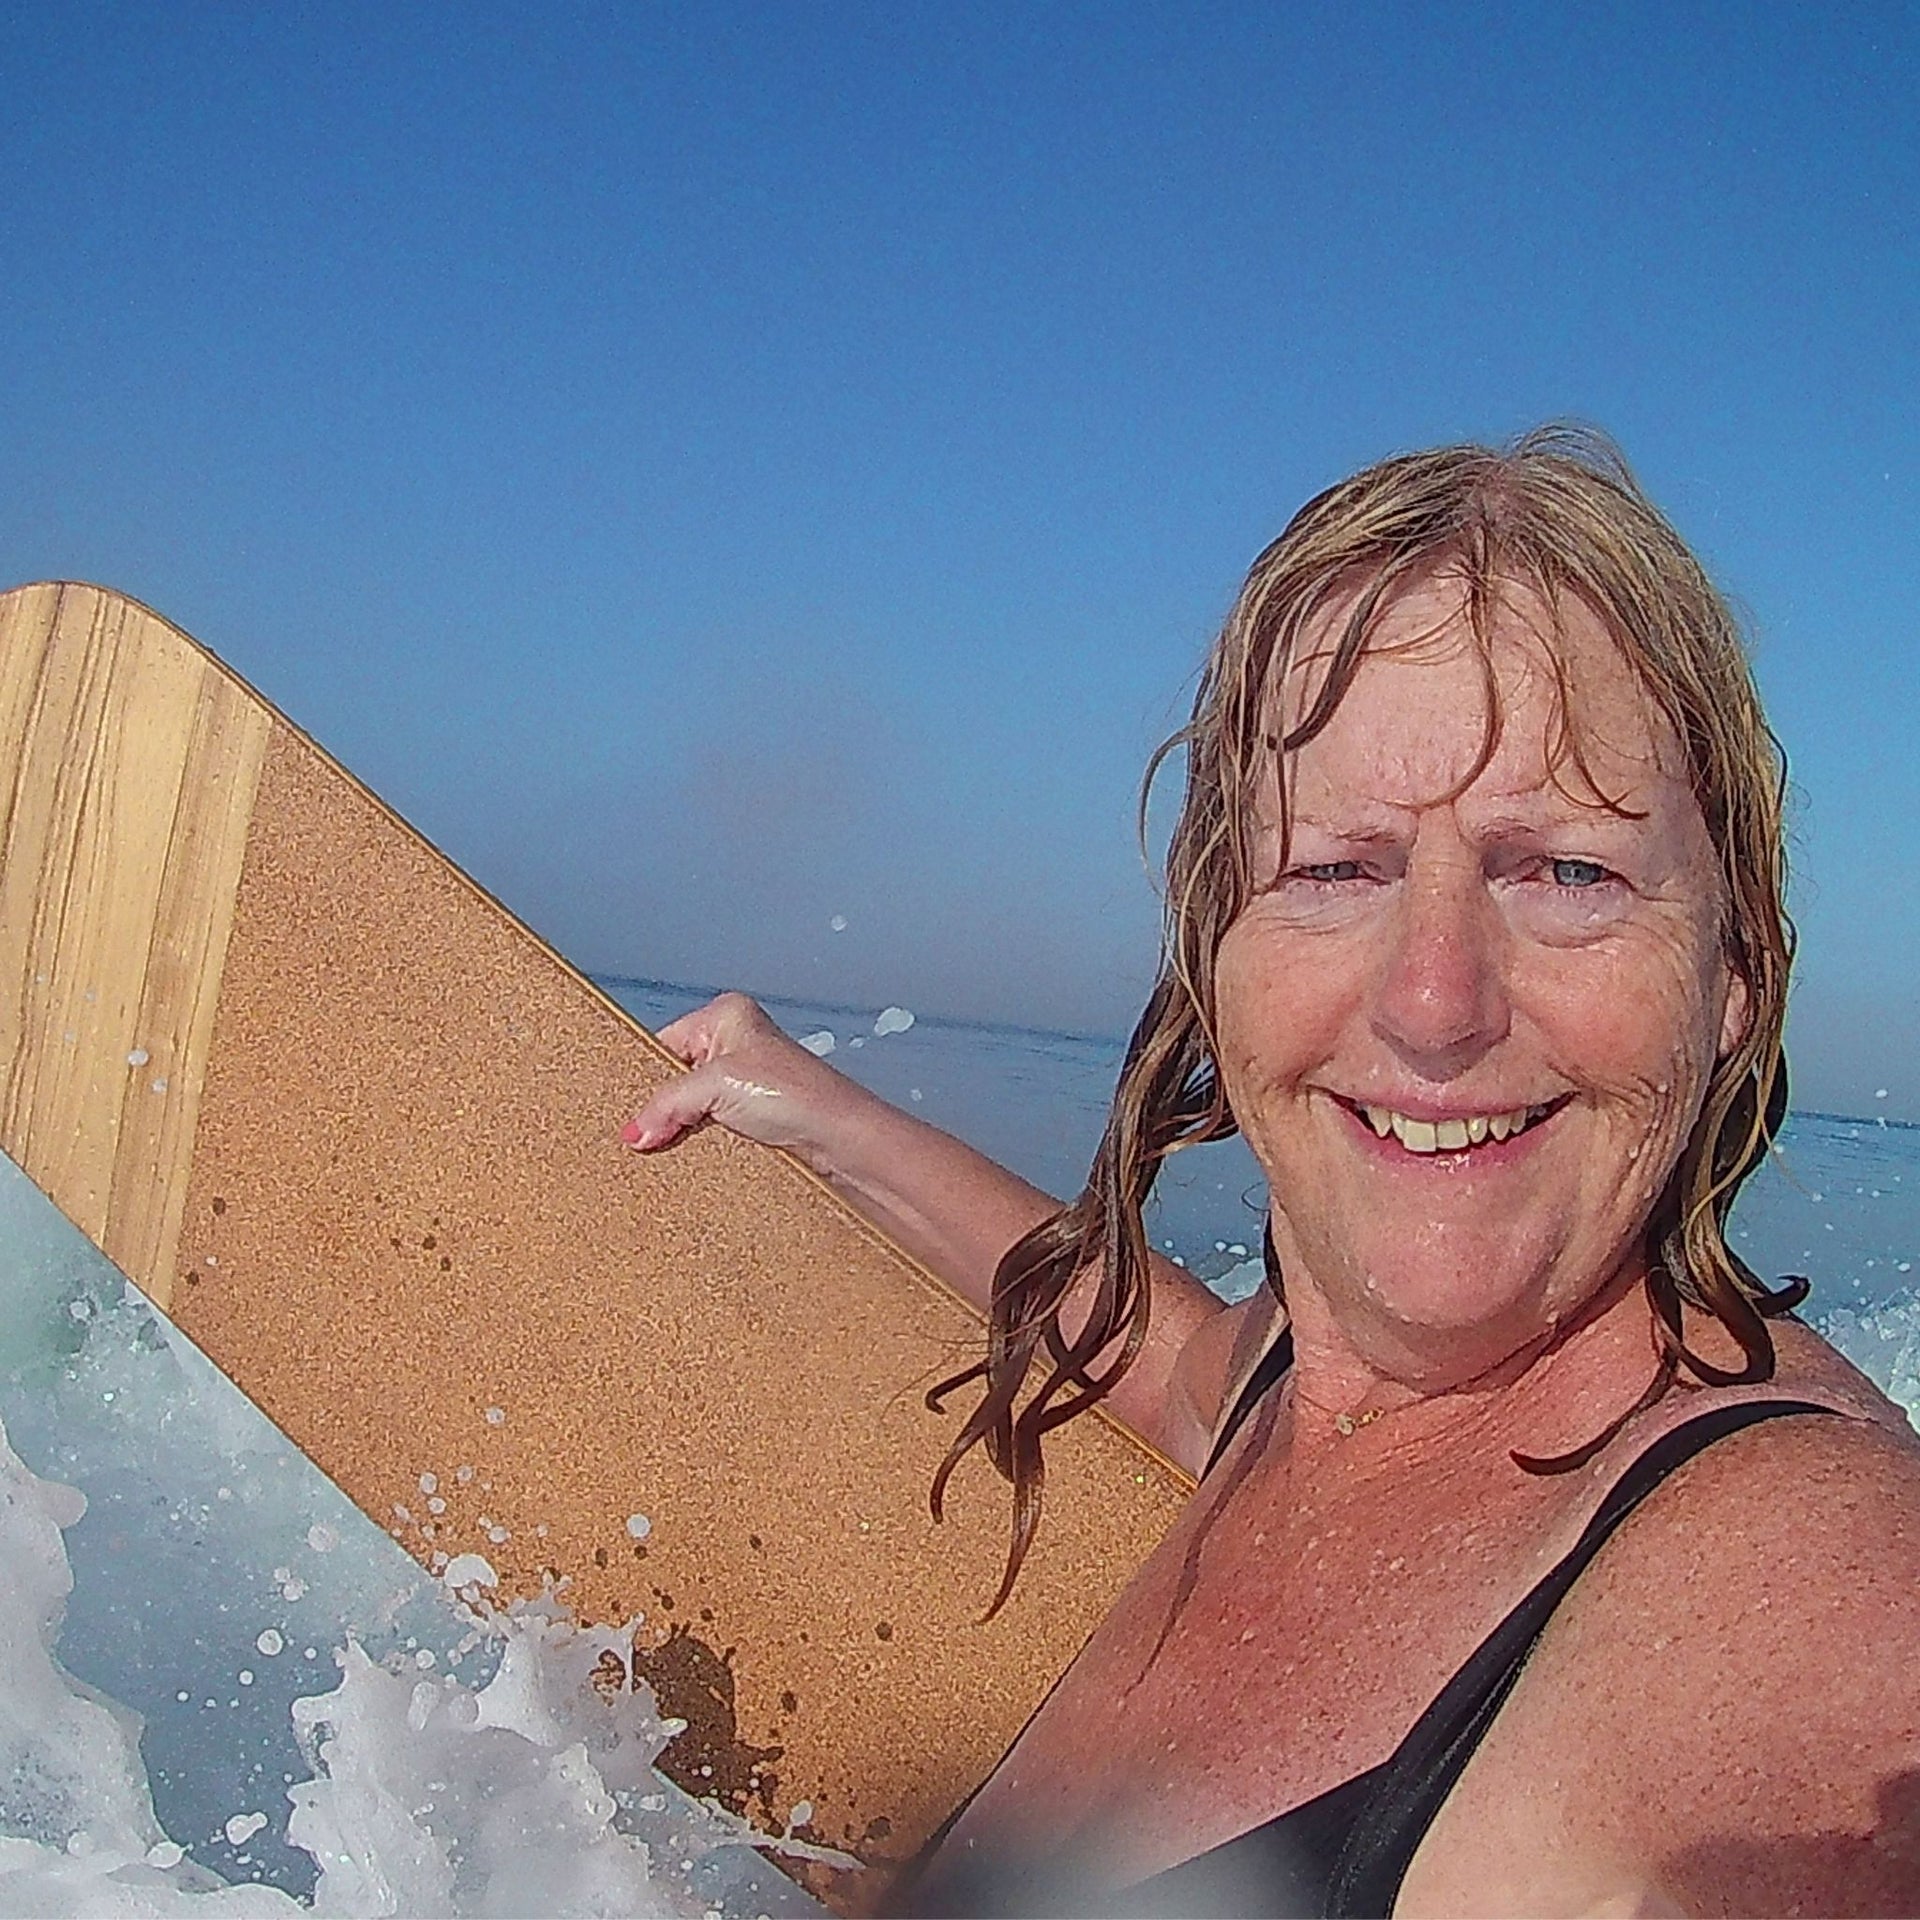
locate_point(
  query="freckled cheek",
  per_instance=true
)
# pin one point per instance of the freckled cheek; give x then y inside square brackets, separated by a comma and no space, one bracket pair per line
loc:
[1640,1022]
[1270,1034]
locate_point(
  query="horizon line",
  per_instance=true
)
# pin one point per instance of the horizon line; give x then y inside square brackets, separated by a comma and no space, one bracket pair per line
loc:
[955,1023]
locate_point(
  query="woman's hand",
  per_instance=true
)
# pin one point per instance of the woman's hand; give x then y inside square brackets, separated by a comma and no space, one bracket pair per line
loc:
[747,1075]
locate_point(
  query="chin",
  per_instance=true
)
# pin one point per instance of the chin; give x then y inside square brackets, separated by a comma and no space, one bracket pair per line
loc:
[1448,1327]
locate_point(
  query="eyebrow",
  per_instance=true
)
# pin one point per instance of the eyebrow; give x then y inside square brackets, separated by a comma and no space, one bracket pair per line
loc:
[1561,808]
[1374,824]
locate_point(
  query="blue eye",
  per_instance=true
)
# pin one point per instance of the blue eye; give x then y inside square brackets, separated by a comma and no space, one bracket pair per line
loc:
[1579,874]
[1329,871]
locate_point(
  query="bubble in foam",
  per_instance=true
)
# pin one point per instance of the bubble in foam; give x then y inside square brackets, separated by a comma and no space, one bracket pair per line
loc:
[270,1643]
[321,1537]
[243,1826]
[638,1525]
[496,1416]
[469,1570]
[892,1020]
[821,1043]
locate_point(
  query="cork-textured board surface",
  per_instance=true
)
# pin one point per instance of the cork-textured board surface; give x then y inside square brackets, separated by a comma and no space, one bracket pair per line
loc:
[394,1208]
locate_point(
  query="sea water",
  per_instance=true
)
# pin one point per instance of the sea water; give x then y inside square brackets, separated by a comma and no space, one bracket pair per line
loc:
[223,1689]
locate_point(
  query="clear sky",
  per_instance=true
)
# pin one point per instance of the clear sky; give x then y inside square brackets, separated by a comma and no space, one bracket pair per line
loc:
[717,469]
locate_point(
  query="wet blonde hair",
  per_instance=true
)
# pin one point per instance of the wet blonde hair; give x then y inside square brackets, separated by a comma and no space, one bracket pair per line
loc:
[1559,513]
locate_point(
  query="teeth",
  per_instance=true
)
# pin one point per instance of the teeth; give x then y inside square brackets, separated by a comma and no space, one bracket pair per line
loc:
[1450,1136]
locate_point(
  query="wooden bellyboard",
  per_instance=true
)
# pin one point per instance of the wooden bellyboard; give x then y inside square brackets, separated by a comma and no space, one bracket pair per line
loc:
[355,1129]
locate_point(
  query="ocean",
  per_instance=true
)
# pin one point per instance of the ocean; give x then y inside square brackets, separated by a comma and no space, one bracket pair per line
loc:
[222,1689]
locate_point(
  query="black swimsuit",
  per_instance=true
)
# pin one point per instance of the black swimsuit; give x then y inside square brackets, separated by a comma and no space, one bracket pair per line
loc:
[1346,1850]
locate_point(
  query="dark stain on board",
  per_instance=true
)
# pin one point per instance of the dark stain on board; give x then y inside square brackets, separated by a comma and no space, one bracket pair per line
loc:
[694,1682]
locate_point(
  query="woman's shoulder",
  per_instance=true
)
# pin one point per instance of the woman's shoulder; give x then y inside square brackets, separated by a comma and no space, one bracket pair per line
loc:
[1750,1639]
[1815,1508]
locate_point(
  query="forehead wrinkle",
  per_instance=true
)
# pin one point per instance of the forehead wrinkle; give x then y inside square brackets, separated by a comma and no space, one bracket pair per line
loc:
[1368,788]
[1576,734]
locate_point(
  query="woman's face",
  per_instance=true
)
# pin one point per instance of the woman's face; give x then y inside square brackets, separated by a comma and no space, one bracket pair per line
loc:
[1467,1032]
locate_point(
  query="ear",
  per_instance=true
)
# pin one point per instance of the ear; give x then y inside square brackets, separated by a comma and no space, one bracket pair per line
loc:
[1736,1015]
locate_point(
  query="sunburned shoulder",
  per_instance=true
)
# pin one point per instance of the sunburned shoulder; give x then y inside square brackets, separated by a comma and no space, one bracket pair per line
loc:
[1728,1702]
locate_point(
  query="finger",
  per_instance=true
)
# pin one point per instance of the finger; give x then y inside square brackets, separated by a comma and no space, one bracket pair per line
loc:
[690,1038]
[669,1112]
[725,1020]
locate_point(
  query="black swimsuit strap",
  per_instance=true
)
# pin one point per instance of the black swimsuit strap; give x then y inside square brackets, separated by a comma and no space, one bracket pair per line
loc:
[1273,1365]
[1431,1759]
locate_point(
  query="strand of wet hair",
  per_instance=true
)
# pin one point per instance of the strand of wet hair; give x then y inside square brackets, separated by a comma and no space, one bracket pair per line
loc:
[1169,1097]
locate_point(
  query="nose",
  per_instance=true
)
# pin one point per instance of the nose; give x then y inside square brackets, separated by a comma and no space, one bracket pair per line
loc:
[1441,1000]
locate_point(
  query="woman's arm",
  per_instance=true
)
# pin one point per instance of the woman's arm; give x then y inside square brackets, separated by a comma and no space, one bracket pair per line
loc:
[953,1209]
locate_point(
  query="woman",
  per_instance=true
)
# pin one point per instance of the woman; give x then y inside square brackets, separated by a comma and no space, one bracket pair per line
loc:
[1540,1563]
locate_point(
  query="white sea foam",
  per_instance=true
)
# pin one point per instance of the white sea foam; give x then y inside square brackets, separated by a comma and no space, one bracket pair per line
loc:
[444,1760]
[429,1796]
[1883,1341]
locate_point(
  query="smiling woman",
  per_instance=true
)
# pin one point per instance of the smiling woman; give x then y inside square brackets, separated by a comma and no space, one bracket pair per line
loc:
[1476,931]
[1466,916]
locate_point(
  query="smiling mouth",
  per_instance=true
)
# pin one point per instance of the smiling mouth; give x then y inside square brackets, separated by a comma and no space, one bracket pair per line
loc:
[1457,1135]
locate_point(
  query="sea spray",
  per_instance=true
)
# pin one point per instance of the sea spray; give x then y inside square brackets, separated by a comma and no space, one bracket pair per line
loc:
[78,1833]
[286,1659]
[533,1791]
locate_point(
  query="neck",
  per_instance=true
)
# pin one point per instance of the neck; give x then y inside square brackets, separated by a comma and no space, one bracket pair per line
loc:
[1543,1398]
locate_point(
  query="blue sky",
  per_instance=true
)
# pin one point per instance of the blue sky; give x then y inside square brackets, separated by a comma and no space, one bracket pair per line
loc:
[717,469]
